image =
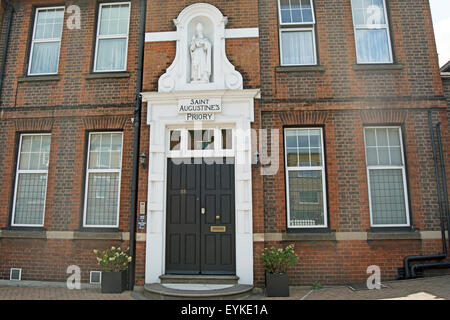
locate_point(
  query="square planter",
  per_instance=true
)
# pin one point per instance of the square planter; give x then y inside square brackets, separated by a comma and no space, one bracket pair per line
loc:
[277,285]
[114,282]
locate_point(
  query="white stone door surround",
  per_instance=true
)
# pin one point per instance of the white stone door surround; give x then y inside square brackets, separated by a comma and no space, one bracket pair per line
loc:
[238,112]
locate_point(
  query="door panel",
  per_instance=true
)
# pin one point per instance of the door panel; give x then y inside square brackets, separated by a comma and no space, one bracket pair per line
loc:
[183,221]
[217,253]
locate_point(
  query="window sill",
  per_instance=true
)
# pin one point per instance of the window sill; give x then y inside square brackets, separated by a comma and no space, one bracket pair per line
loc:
[405,235]
[283,69]
[39,78]
[107,75]
[97,235]
[377,67]
[310,236]
[23,234]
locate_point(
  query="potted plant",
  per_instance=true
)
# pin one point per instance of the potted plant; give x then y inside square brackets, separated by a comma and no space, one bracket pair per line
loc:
[114,262]
[276,262]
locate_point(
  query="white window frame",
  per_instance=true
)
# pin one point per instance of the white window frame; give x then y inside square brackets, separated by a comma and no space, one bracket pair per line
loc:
[217,152]
[89,171]
[374,27]
[106,37]
[387,167]
[33,41]
[318,168]
[297,27]
[16,182]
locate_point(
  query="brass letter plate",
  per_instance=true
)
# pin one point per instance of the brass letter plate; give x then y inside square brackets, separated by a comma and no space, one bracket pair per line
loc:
[218,229]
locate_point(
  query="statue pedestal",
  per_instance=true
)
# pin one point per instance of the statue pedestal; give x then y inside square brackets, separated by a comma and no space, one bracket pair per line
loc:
[199,82]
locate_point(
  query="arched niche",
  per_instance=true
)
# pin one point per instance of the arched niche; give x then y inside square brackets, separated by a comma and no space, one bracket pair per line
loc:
[224,75]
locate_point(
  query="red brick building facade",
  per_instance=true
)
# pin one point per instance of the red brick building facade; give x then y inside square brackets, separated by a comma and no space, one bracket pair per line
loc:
[331,89]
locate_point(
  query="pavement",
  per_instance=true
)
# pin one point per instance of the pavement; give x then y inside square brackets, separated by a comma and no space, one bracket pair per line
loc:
[436,288]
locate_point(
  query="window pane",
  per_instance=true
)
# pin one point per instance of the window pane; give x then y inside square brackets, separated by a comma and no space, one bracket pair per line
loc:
[372,46]
[284,4]
[297,47]
[303,139]
[306,207]
[286,16]
[368,12]
[304,160]
[387,197]
[227,139]
[396,156]
[30,199]
[382,137]
[45,58]
[314,139]
[292,157]
[316,157]
[296,11]
[372,156]
[49,24]
[383,146]
[175,140]
[394,137]
[370,138]
[34,154]
[291,139]
[201,140]
[111,54]
[105,151]
[383,156]
[304,147]
[102,199]
[114,20]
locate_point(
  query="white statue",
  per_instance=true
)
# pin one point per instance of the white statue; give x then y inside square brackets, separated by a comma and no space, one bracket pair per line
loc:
[200,57]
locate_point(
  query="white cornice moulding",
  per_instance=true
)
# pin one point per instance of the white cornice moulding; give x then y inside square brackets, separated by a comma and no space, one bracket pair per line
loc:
[229,34]
[242,33]
[170,97]
[161,36]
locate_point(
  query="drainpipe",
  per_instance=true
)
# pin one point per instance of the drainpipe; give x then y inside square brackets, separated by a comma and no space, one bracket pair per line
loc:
[446,205]
[410,273]
[444,177]
[11,10]
[136,147]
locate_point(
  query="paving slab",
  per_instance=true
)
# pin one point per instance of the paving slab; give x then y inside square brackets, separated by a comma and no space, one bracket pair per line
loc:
[436,288]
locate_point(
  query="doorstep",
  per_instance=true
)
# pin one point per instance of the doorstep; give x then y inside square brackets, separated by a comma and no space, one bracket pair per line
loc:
[159,291]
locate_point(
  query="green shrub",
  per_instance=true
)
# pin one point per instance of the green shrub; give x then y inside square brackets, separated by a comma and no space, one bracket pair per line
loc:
[278,260]
[113,260]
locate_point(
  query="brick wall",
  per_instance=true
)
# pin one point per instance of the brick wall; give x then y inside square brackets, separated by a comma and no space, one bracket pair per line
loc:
[70,106]
[342,98]
[412,42]
[338,96]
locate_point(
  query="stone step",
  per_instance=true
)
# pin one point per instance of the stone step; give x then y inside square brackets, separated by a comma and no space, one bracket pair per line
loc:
[157,291]
[200,279]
